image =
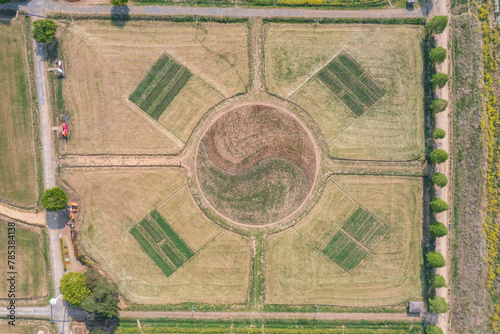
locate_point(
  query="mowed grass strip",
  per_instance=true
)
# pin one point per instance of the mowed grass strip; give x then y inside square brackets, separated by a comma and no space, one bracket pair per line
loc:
[360,73]
[344,252]
[160,86]
[329,82]
[351,103]
[151,230]
[153,254]
[179,243]
[363,227]
[351,64]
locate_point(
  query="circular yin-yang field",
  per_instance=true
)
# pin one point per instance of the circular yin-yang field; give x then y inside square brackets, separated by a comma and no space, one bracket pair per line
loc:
[256,164]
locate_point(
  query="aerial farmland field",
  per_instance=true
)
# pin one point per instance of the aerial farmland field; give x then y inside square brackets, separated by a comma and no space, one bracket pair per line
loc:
[248,165]
[17,165]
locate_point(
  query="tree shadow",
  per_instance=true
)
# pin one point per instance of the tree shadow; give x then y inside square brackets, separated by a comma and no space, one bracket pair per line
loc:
[58,219]
[120,16]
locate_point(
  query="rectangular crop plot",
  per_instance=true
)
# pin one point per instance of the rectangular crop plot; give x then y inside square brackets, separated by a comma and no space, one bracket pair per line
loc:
[344,252]
[160,86]
[363,227]
[351,83]
[161,243]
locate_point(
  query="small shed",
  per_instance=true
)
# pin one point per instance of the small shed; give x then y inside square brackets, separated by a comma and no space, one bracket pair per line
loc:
[416,307]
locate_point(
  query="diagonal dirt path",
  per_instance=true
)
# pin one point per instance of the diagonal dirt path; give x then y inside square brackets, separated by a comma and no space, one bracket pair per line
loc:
[25,216]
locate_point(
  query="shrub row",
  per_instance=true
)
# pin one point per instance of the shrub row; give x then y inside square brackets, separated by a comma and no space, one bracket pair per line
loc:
[125,17]
[409,20]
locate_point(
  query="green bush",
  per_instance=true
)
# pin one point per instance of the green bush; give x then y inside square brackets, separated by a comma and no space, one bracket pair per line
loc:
[439,156]
[438,281]
[439,179]
[438,205]
[44,31]
[437,55]
[437,24]
[431,329]
[438,230]
[438,305]
[439,80]
[435,259]
[438,133]
[438,105]
[118,3]
[55,199]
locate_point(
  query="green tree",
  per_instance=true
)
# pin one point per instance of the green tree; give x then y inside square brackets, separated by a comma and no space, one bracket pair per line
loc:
[431,329]
[98,331]
[438,133]
[44,31]
[119,2]
[438,305]
[438,230]
[92,278]
[438,205]
[438,105]
[103,301]
[438,281]
[439,156]
[435,259]
[4,1]
[55,199]
[73,288]
[437,55]
[437,24]
[439,80]
[439,179]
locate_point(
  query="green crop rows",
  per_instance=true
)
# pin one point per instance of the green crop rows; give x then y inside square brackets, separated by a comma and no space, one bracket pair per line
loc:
[160,86]
[161,243]
[127,326]
[347,79]
[364,228]
[344,252]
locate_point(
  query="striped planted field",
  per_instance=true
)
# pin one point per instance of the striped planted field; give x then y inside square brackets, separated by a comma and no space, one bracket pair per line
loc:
[344,252]
[353,85]
[160,86]
[161,243]
[363,227]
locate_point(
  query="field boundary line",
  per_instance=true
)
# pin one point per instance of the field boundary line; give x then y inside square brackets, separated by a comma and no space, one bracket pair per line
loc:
[307,241]
[157,125]
[363,247]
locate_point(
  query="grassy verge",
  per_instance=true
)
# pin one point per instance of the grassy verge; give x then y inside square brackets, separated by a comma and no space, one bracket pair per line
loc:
[469,299]
[410,20]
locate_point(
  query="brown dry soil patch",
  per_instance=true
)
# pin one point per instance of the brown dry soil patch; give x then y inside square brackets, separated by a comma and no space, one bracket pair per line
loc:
[256,164]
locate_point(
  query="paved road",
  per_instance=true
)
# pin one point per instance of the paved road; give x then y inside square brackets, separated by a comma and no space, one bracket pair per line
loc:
[42,7]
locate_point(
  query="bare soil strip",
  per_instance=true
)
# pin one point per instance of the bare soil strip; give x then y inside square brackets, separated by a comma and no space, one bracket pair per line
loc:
[25,216]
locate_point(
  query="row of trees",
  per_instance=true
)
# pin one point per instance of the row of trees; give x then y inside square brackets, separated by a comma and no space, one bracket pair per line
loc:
[437,55]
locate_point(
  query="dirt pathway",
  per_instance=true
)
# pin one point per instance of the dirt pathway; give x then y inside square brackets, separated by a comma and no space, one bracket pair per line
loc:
[277,315]
[25,216]
[104,160]
[443,121]
[257,84]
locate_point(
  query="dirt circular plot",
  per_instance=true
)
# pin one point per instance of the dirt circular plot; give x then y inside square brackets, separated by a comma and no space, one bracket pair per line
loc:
[256,164]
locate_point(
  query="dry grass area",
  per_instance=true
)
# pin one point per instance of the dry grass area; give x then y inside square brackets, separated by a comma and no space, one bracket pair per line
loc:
[298,273]
[391,129]
[26,327]
[29,263]
[105,63]
[217,273]
[17,162]
[189,106]
[179,209]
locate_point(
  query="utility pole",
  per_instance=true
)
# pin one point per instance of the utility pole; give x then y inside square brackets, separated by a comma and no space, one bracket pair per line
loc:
[315,25]
[192,308]
[53,302]
[196,19]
